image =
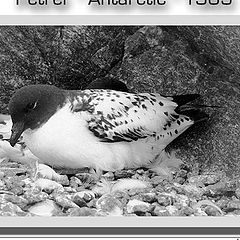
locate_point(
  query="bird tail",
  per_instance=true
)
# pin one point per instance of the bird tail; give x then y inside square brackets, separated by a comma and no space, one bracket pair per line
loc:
[187,107]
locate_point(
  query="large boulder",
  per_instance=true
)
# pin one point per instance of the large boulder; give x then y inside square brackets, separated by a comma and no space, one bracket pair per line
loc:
[205,60]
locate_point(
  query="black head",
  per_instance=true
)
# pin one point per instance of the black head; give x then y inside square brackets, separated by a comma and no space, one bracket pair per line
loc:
[31,106]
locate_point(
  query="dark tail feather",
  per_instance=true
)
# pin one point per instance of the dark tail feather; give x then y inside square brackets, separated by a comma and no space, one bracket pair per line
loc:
[193,111]
[196,115]
[186,98]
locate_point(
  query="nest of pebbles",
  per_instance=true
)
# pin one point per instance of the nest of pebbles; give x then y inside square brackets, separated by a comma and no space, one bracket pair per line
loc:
[137,192]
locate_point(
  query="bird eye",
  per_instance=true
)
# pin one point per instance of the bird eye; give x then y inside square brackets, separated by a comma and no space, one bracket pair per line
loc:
[31,106]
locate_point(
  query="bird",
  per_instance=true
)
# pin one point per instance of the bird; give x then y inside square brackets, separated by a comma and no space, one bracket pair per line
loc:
[101,129]
[20,153]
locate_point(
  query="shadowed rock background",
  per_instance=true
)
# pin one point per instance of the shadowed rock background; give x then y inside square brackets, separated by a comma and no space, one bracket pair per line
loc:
[165,59]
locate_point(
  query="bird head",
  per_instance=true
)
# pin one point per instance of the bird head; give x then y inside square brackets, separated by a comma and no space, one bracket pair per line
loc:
[31,106]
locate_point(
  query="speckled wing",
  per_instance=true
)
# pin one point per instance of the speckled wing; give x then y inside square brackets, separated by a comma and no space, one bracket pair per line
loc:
[114,116]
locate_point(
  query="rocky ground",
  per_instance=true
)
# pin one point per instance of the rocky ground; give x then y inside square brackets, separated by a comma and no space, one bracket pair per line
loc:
[27,193]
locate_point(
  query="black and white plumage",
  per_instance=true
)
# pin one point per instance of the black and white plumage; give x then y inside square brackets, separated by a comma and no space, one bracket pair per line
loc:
[101,129]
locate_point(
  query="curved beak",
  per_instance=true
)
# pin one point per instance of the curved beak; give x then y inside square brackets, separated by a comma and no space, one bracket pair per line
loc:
[17,130]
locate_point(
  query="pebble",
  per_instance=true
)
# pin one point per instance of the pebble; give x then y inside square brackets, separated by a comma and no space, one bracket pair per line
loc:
[219,188]
[179,180]
[86,195]
[234,205]
[10,209]
[199,212]
[47,208]
[86,178]
[186,211]
[2,185]
[110,205]
[222,203]
[19,201]
[172,210]
[237,193]
[124,173]
[75,182]
[2,174]
[48,185]
[164,200]
[140,171]
[158,180]
[35,195]
[109,176]
[77,199]
[147,197]
[92,203]
[64,201]
[209,179]
[136,191]
[160,211]
[212,211]
[189,190]
[138,207]
[84,211]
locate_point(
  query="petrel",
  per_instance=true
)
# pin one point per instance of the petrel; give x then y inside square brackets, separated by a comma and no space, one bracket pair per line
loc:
[103,129]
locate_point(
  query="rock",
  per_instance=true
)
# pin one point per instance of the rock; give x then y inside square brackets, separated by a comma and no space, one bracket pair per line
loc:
[86,195]
[35,195]
[46,208]
[236,212]
[14,184]
[204,179]
[158,180]
[63,201]
[70,190]
[160,211]
[164,199]
[187,58]
[222,203]
[92,203]
[19,201]
[189,190]
[237,193]
[186,211]
[10,209]
[173,211]
[2,185]
[179,180]
[212,211]
[219,188]
[124,173]
[75,182]
[233,205]
[109,176]
[140,171]
[110,205]
[130,184]
[181,200]
[77,199]
[2,174]
[136,191]
[87,179]
[84,211]
[45,171]
[48,185]
[199,212]
[147,197]
[138,207]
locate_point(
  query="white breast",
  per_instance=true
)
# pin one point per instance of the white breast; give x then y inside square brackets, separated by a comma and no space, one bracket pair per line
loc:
[65,141]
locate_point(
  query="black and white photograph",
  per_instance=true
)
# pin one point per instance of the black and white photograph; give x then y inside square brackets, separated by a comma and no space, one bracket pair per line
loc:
[123,120]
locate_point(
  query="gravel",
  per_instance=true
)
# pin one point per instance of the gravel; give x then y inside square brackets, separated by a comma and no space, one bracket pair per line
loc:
[182,194]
